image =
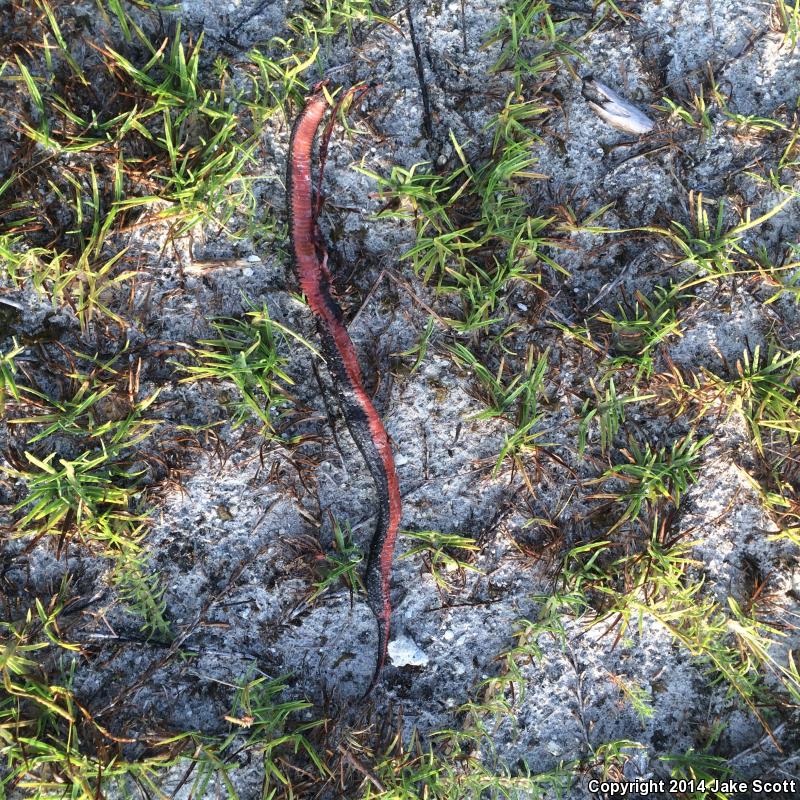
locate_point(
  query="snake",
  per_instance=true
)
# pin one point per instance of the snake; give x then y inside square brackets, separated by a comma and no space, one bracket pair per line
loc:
[362,419]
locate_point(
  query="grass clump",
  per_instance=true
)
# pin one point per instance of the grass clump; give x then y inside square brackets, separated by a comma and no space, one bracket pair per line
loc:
[734,646]
[204,145]
[476,237]
[711,247]
[172,142]
[54,747]
[49,739]
[94,491]
[265,725]
[140,587]
[443,554]
[403,770]
[478,261]
[651,476]
[788,17]
[607,409]
[324,19]
[700,770]
[761,387]
[782,277]
[532,42]
[341,565]
[765,392]
[86,268]
[81,494]
[8,375]
[660,581]
[514,398]
[248,354]
[638,330]
[82,471]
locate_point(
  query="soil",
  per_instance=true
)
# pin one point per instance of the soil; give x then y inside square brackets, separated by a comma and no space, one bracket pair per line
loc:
[233,537]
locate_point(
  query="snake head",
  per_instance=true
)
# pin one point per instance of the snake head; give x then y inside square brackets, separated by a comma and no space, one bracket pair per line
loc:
[613,109]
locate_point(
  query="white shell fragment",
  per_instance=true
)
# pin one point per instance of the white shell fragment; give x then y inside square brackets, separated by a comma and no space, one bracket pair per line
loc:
[613,109]
[405,653]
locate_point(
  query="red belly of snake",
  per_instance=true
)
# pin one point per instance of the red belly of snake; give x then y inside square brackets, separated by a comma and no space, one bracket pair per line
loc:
[362,419]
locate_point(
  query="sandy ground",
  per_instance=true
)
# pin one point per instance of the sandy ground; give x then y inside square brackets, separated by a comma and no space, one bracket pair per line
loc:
[228,541]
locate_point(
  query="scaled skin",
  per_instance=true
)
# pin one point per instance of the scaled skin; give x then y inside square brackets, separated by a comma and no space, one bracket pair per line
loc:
[362,419]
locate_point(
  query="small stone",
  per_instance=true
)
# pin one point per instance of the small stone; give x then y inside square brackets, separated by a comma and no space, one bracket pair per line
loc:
[254,259]
[406,653]
[448,636]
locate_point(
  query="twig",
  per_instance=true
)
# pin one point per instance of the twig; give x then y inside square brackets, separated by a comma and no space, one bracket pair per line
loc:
[423,86]
[357,765]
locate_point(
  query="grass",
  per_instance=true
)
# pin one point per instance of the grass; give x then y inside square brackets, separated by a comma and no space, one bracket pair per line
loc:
[712,248]
[504,222]
[454,212]
[43,726]
[734,647]
[92,497]
[788,14]
[783,277]
[204,150]
[699,770]
[420,349]
[636,696]
[171,141]
[463,260]
[659,582]
[651,476]
[607,409]
[514,398]
[326,18]
[139,587]
[476,239]
[707,104]
[52,746]
[764,392]
[269,730]
[248,353]
[760,387]
[696,113]
[178,140]
[93,492]
[513,123]
[443,554]
[636,335]
[532,42]
[341,565]
[404,771]
[639,329]
[80,494]
[8,373]
[82,274]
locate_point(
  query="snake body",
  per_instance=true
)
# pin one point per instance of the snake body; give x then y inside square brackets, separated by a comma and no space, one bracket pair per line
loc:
[363,421]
